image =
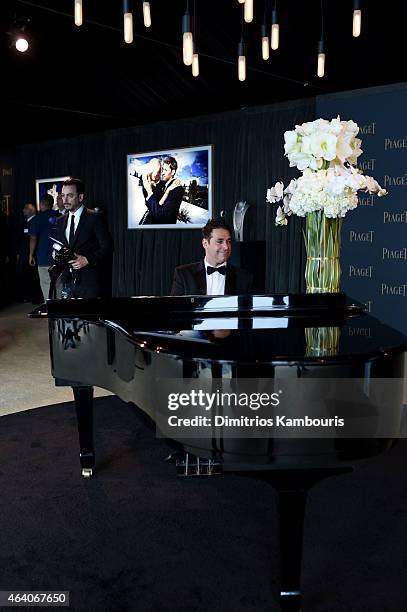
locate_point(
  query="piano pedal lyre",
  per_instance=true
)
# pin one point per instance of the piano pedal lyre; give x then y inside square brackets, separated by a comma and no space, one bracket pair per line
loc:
[87,472]
[190,465]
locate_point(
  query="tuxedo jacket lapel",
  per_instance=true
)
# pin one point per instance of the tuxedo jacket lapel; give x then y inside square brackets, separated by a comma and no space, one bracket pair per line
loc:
[82,222]
[64,224]
[200,278]
[230,280]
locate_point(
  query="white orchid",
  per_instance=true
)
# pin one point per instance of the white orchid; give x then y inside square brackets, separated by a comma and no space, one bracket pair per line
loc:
[280,217]
[275,194]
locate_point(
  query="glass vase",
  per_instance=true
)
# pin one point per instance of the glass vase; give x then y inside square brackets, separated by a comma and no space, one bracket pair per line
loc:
[323,244]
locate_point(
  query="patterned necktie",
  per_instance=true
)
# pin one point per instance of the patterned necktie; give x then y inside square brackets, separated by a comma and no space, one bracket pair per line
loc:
[71,230]
[221,270]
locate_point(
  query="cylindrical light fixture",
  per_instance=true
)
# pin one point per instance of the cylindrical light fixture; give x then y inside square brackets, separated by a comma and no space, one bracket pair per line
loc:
[187,38]
[265,43]
[241,61]
[357,19]
[147,14]
[275,31]
[195,61]
[248,11]
[78,12]
[321,59]
[127,22]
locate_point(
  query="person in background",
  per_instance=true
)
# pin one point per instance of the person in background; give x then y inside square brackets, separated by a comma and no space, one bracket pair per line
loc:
[60,204]
[42,230]
[29,289]
[164,199]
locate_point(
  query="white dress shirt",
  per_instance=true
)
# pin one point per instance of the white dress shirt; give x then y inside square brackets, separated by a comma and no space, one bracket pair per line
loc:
[77,216]
[215,282]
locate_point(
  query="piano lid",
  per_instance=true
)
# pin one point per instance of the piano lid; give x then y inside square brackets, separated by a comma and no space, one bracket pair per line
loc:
[258,327]
[180,307]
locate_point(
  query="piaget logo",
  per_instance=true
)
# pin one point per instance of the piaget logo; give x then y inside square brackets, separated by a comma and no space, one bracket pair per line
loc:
[366,200]
[367,164]
[394,217]
[368,128]
[394,289]
[369,305]
[400,254]
[361,236]
[395,143]
[395,181]
[363,332]
[360,271]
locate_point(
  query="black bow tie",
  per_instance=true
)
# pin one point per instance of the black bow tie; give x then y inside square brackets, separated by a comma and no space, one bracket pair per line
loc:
[221,270]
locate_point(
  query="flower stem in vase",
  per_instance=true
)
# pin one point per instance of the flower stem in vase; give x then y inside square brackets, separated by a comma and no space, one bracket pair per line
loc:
[322,243]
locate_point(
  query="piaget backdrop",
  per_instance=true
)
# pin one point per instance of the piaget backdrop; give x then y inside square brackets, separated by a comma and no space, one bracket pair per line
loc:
[374,236]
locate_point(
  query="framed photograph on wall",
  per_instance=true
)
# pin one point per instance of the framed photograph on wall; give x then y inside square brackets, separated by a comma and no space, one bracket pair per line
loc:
[53,186]
[170,189]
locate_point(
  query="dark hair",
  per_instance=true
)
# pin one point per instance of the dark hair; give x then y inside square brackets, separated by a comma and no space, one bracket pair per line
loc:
[80,185]
[172,162]
[212,225]
[48,200]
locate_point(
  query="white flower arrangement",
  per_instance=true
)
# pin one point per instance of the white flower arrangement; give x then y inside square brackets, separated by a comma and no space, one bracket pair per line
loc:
[326,152]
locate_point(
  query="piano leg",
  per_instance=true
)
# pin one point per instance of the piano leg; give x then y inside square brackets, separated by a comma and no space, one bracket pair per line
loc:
[292,487]
[84,410]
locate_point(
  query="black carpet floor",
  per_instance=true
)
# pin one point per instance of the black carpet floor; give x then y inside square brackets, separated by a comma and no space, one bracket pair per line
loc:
[136,538]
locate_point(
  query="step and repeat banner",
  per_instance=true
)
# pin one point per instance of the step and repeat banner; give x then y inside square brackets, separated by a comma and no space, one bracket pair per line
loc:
[374,236]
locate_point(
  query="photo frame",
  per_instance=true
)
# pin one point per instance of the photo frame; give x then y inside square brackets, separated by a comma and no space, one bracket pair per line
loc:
[52,186]
[170,189]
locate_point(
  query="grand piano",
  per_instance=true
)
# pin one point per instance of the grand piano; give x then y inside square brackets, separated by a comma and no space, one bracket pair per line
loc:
[323,353]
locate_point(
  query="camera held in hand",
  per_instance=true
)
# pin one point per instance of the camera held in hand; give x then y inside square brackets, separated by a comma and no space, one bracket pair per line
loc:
[63,254]
[61,273]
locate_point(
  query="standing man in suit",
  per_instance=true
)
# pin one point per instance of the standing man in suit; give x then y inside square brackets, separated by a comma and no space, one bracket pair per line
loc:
[214,275]
[163,200]
[86,234]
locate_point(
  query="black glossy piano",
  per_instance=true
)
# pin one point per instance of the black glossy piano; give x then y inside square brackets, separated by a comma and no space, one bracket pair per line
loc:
[142,348]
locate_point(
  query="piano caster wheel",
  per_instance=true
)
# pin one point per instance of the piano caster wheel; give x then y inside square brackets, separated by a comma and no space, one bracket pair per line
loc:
[87,472]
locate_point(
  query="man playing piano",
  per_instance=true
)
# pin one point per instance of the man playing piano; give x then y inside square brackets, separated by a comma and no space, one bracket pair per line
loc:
[214,275]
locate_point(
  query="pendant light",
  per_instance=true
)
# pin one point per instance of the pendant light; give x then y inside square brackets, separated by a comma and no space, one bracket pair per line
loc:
[78,16]
[357,19]
[187,38]
[275,29]
[127,22]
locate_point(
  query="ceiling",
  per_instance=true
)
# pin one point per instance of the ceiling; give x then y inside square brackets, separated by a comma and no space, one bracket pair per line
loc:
[78,80]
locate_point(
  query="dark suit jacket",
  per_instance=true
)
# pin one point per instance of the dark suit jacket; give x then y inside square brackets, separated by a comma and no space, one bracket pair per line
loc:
[168,212]
[190,279]
[92,239]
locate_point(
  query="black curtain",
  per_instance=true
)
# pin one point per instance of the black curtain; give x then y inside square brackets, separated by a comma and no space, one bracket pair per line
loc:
[248,157]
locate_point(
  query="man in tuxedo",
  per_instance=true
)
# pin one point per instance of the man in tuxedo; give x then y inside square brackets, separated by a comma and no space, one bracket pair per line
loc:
[214,275]
[86,235]
[164,199]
